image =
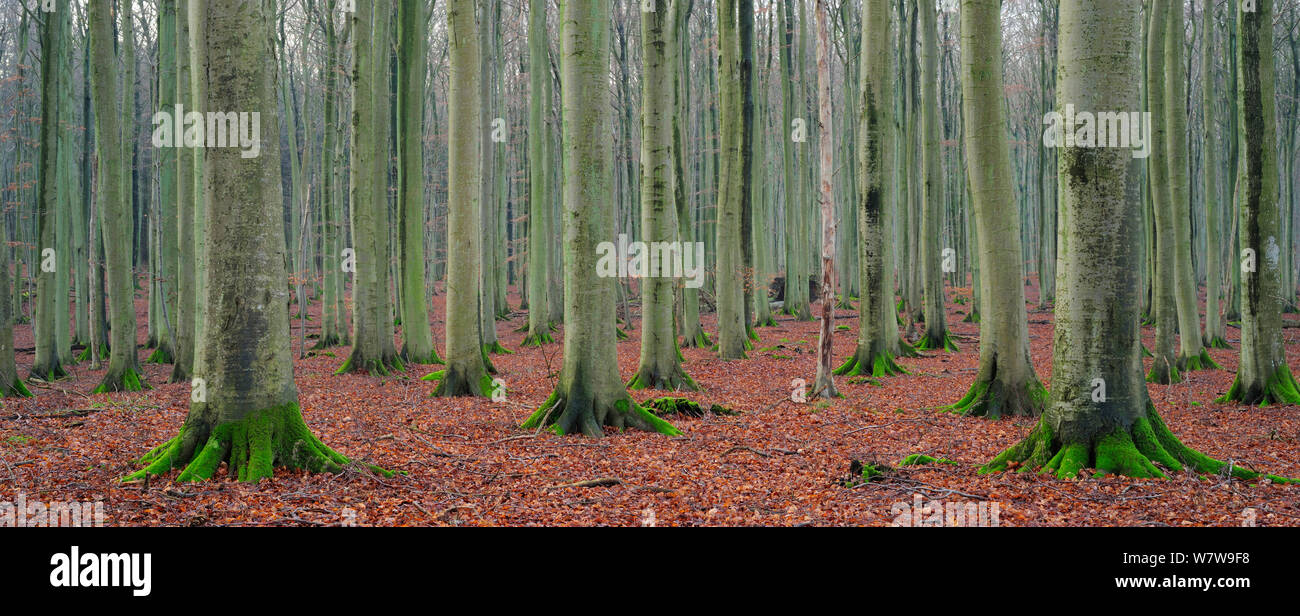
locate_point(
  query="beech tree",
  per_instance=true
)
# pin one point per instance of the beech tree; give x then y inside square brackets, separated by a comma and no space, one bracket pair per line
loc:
[1100,415]
[589,394]
[1006,383]
[1263,376]
[250,418]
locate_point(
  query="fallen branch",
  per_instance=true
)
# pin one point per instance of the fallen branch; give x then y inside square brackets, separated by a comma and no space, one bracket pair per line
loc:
[590,483]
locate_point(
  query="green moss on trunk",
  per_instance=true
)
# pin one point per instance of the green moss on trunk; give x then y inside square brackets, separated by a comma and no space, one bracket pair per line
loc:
[251,448]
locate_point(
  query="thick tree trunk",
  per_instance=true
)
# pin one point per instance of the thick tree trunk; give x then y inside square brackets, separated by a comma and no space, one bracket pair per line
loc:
[249,417]
[589,394]
[1100,416]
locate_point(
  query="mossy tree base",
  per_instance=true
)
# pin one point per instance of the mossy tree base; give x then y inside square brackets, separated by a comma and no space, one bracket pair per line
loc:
[972,317]
[588,416]
[1144,450]
[15,389]
[768,322]
[496,349]
[1218,342]
[452,383]
[374,367]
[942,342]
[326,342]
[49,373]
[1203,361]
[1280,388]
[123,380]
[906,349]
[864,363]
[538,339]
[160,355]
[994,399]
[672,378]
[681,406]
[1164,373]
[431,359]
[84,355]
[251,448]
[700,340]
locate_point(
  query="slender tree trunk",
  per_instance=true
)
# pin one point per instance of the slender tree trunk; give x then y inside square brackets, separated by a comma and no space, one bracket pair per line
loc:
[466,372]
[733,340]
[824,384]
[935,335]
[539,169]
[660,364]
[412,65]
[373,349]
[1215,333]
[1263,376]
[48,365]
[122,372]
[1192,354]
[1164,368]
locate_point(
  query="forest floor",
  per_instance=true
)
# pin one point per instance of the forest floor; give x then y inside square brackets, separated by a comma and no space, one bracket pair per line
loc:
[775,463]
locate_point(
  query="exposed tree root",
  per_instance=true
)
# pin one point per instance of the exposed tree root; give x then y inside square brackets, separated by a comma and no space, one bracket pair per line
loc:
[1198,362]
[587,416]
[251,449]
[16,389]
[700,340]
[1139,451]
[681,406]
[944,342]
[538,339]
[622,335]
[1164,373]
[495,348]
[867,364]
[124,380]
[1281,388]
[972,317]
[374,367]
[1218,342]
[769,322]
[49,373]
[456,383]
[325,342]
[427,360]
[160,355]
[674,379]
[1146,352]
[906,349]
[993,399]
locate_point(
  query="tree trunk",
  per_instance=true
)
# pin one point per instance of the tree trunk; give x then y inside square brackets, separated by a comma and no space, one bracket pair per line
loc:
[1263,376]
[589,394]
[935,335]
[115,214]
[1100,416]
[466,372]
[249,415]
[412,64]
[1006,383]
[48,364]
[539,168]
[660,364]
